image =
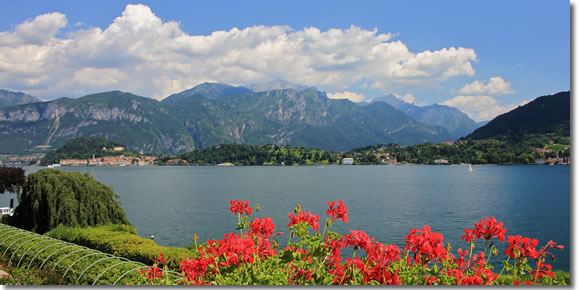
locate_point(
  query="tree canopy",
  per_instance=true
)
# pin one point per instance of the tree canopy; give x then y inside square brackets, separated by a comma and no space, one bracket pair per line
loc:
[11,178]
[53,197]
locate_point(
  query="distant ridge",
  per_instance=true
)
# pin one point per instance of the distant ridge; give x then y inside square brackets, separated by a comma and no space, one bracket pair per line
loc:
[10,98]
[545,114]
[207,90]
[277,85]
[456,122]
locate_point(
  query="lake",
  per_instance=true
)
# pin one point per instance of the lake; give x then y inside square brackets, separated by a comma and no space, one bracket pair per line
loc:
[173,203]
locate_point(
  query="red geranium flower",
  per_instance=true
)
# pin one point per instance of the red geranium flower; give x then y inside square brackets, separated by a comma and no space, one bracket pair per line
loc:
[426,244]
[469,236]
[520,247]
[520,282]
[152,272]
[543,272]
[240,207]
[262,227]
[340,212]
[488,228]
[358,239]
[301,217]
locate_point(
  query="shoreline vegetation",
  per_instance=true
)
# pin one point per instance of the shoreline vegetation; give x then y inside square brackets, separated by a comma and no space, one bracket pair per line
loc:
[530,149]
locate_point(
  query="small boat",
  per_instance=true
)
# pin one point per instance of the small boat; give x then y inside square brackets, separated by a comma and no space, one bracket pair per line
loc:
[53,165]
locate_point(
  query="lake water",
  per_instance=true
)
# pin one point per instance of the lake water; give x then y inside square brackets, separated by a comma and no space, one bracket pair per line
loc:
[173,203]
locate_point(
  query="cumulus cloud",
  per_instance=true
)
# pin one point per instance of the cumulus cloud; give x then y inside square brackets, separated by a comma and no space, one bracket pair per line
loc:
[38,31]
[354,97]
[495,86]
[141,53]
[481,108]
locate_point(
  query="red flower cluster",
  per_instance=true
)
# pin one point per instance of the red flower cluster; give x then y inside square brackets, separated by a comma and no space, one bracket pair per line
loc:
[521,247]
[337,213]
[520,282]
[299,273]
[240,207]
[307,261]
[358,239]
[425,244]
[262,227]
[152,272]
[194,269]
[235,248]
[301,217]
[486,229]
[541,272]
[378,259]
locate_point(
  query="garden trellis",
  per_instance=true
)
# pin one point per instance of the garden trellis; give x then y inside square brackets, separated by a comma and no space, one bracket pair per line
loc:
[78,265]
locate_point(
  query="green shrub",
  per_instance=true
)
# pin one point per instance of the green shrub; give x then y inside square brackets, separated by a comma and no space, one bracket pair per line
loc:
[121,240]
[53,197]
[23,276]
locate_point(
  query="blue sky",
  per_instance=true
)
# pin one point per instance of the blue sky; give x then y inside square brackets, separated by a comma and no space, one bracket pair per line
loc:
[484,57]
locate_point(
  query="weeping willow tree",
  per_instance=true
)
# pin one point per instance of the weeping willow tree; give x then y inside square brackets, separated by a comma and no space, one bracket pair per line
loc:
[53,197]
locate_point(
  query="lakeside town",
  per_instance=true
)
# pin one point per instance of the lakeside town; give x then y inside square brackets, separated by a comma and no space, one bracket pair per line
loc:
[382,158]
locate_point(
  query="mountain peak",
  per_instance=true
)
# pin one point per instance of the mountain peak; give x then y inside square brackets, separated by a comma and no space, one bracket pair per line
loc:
[10,98]
[207,90]
[392,100]
[278,85]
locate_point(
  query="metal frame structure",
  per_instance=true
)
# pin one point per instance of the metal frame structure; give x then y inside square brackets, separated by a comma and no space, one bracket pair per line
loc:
[59,253]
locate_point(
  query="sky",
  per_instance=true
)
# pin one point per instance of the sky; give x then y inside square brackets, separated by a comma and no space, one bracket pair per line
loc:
[483,57]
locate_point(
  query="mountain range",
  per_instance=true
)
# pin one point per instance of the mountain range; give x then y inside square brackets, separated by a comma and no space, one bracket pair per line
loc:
[213,113]
[457,123]
[210,114]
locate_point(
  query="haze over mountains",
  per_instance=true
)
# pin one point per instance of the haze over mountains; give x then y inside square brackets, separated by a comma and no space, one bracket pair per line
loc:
[213,113]
[456,122]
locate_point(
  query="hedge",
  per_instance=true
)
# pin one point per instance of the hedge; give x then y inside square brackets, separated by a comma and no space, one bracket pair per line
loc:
[123,241]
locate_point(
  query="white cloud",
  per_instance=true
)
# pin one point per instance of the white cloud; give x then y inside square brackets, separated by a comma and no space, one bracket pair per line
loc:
[409,98]
[38,31]
[141,53]
[481,108]
[495,86]
[354,97]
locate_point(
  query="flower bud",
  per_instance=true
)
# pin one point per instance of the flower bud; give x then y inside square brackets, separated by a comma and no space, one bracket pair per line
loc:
[298,208]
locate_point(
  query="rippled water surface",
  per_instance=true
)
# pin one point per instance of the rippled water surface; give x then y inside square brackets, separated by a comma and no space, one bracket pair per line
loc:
[173,203]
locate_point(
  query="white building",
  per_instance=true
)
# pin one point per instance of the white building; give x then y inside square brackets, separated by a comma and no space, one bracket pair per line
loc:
[347,161]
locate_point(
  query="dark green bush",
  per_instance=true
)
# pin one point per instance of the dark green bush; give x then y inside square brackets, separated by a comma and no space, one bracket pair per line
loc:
[120,240]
